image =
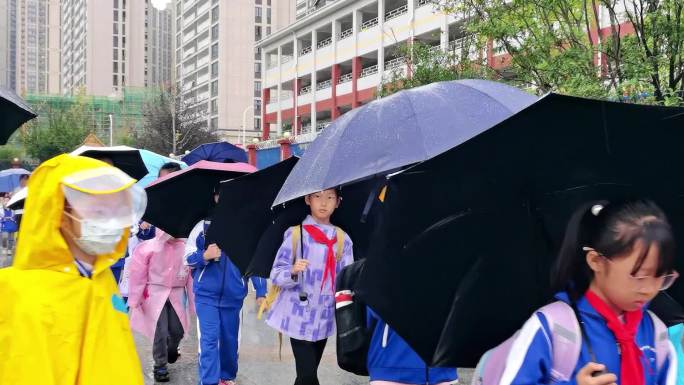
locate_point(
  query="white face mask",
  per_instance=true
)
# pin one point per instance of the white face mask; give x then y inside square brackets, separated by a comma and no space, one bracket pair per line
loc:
[97,240]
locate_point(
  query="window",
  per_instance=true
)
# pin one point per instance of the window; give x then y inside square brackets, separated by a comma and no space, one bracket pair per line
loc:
[214,124]
[116,28]
[257,89]
[115,41]
[123,80]
[116,54]
[116,15]
[257,33]
[116,3]
[214,51]
[257,106]
[257,53]
[115,67]
[268,30]
[257,124]
[214,88]
[268,2]
[257,2]
[257,70]
[214,15]
[214,106]
[115,80]
[214,32]
[257,14]
[214,70]
[268,15]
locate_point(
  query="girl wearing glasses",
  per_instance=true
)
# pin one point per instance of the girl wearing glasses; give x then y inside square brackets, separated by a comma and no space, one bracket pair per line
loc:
[615,258]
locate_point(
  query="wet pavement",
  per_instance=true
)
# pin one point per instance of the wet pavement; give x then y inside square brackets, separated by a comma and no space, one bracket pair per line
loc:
[259,362]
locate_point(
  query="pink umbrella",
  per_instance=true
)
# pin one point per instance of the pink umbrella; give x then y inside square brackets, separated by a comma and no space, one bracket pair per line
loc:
[179,200]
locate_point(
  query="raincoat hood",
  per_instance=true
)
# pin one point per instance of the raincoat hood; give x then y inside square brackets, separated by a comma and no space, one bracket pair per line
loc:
[41,244]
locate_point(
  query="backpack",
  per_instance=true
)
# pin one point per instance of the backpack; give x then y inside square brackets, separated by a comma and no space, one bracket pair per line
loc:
[353,335]
[274,291]
[566,340]
[677,337]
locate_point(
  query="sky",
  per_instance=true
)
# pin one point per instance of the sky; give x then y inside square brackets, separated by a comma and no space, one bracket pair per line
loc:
[161,4]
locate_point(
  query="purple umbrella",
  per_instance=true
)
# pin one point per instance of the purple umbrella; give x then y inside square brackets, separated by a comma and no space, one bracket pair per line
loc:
[405,128]
[9,179]
[222,152]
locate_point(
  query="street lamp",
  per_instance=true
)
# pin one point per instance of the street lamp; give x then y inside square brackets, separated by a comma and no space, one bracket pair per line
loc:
[244,123]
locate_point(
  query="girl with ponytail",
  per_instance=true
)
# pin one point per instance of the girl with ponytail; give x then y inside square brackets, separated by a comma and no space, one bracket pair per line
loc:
[615,258]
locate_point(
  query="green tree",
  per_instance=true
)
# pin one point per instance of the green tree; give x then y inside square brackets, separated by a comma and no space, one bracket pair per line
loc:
[157,134]
[424,64]
[64,130]
[554,45]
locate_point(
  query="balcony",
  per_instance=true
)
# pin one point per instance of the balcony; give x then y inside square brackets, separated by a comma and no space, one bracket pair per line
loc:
[396,12]
[394,63]
[368,71]
[322,125]
[324,84]
[422,3]
[285,58]
[368,24]
[346,78]
[305,51]
[305,90]
[324,43]
[346,33]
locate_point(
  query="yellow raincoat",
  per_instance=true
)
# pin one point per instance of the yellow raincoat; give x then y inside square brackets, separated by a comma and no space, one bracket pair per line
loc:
[56,327]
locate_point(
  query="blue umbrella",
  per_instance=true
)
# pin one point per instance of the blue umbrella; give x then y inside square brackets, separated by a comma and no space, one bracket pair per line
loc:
[402,129]
[9,179]
[154,162]
[223,152]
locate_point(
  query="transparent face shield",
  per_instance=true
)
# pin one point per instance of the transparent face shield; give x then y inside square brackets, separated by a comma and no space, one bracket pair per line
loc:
[105,197]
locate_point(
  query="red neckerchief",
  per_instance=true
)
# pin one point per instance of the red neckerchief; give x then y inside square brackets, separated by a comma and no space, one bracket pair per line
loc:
[631,368]
[330,263]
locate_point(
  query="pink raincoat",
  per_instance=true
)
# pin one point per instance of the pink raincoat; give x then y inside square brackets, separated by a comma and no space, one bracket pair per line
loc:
[157,273]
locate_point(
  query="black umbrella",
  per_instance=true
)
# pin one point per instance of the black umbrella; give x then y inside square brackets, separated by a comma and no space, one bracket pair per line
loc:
[14,111]
[127,159]
[352,217]
[244,212]
[176,202]
[667,309]
[463,250]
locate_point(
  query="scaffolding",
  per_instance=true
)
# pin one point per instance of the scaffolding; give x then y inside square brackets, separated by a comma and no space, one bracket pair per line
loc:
[126,110]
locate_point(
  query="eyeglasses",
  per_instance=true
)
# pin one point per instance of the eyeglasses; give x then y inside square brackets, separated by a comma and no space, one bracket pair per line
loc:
[664,282]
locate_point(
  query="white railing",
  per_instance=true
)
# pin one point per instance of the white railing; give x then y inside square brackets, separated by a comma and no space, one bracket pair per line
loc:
[345,78]
[368,24]
[435,49]
[306,137]
[324,84]
[369,71]
[324,43]
[306,129]
[305,90]
[285,95]
[322,125]
[394,63]
[285,58]
[422,3]
[271,143]
[396,12]
[305,51]
[346,33]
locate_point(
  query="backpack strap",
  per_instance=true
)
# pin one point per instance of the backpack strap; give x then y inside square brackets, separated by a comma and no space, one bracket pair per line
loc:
[566,339]
[340,242]
[275,290]
[662,340]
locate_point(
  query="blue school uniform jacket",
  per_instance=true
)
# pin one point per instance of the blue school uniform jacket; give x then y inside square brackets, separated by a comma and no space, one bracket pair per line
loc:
[390,358]
[216,283]
[529,361]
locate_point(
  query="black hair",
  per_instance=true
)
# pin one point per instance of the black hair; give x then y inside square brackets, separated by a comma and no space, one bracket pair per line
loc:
[170,167]
[23,176]
[611,229]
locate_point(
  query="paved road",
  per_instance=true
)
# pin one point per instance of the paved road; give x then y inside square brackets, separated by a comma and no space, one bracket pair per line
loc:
[259,361]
